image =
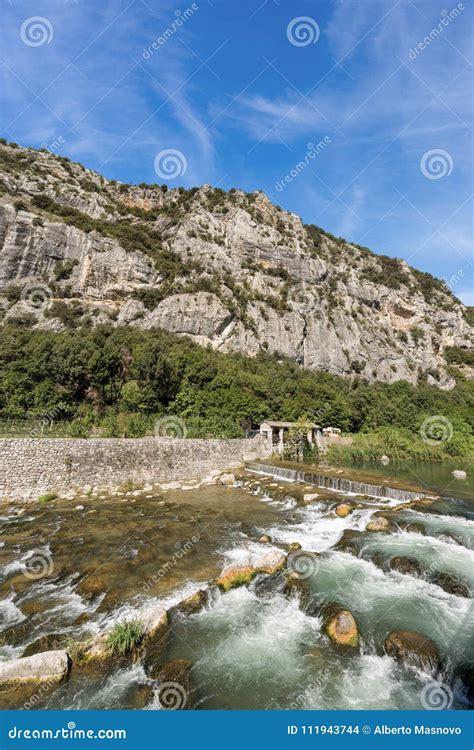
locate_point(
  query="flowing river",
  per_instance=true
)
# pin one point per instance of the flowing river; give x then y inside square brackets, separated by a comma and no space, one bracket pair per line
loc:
[71,569]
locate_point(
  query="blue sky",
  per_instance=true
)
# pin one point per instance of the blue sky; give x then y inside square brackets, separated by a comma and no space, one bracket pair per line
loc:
[241,87]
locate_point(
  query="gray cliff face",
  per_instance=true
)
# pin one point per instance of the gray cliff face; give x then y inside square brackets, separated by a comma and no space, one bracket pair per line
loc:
[230,270]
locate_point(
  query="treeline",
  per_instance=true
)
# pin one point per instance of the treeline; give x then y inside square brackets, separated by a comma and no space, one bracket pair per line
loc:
[119,381]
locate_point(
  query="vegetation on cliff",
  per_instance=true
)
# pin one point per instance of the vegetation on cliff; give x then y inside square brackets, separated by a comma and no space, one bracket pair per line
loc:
[119,381]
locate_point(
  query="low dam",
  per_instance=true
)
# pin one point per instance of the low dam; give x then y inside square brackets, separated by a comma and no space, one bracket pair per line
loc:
[338,484]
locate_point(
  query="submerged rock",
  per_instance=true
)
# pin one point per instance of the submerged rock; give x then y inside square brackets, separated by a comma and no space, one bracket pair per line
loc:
[310,497]
[270,585]
[407,565]
[452,585]
[48,666]
[341,626]
[463,684]
[343,510]
[175,689]
[265,539]
[413,650]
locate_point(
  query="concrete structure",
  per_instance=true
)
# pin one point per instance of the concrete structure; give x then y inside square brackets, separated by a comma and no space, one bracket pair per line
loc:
[274,433]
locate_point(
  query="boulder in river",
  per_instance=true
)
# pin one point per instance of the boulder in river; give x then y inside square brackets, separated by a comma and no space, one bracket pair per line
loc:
[341,626]
[310,497]
[193,603]
[271,562]
[379,523]
[294,547]
[265,539]
[384,460]
[156,622]
[48,666]
[452,585]
[343,510]
[236,575]
[459,474]
[270,585]
[226,478]
[414,650]
[407,565]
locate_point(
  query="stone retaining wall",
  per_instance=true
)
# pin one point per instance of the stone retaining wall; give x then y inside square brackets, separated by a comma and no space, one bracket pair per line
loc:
[30,467]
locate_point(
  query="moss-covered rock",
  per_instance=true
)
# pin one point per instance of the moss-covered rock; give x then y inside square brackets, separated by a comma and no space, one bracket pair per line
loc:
[340,626]
[343,510]
[236,575]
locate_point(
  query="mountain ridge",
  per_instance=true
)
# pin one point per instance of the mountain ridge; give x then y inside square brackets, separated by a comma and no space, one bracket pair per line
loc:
[229,269]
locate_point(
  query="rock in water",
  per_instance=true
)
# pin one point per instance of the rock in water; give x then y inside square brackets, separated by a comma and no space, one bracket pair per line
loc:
[413,650]
[341,627]
[235,575]
[451,585]
[343,510]
[270,563]
[174,689]
[384,460]
[459,474]
[379,523]
[50,666]
[407,565]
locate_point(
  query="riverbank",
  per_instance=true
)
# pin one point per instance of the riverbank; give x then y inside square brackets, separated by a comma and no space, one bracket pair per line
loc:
[32,467]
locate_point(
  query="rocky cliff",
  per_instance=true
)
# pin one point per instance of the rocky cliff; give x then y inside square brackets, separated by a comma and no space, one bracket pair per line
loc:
[229,269]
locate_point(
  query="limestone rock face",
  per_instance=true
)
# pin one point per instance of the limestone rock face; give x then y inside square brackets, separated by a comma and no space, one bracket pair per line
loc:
[230,270]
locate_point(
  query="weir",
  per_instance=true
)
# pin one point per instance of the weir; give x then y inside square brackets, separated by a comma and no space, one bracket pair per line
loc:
[338,484]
